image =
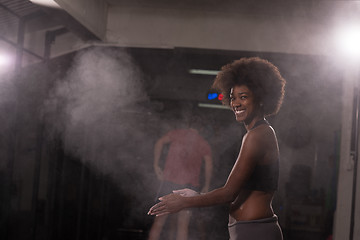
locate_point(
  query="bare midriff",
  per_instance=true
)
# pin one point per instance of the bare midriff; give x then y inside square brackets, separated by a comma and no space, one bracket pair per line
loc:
[252,205]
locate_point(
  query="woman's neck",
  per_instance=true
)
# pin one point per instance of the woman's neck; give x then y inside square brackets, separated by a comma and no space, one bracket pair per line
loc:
[253,122]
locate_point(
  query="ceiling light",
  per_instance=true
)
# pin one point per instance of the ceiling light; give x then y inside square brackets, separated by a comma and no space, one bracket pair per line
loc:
[46,3]
[203,72]
[209,105]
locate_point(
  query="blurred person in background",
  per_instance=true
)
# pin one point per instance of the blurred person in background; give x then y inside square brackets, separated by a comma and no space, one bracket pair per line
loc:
[187,151]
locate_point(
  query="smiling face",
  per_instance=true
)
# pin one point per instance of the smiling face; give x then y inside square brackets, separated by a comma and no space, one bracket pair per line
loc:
[244,104]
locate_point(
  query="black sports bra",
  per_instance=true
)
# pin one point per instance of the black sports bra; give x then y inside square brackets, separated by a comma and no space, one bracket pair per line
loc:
[264,177]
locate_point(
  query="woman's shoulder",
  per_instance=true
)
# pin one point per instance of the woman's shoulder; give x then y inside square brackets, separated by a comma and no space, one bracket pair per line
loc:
[262,133]
[261,130]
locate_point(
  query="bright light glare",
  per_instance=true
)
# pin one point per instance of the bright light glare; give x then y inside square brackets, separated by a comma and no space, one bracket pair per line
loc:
[46,3]
[5,60]
[348,41]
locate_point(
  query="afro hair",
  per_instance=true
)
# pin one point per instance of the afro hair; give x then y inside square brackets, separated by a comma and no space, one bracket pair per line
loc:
[259,75]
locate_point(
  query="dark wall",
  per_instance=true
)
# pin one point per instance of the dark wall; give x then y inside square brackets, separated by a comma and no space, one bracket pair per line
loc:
[78,132]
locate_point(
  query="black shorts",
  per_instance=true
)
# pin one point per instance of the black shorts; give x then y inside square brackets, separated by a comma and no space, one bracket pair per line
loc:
[267,228]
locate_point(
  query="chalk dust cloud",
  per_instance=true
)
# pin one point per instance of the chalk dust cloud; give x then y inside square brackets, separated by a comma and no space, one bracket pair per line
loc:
[96,110]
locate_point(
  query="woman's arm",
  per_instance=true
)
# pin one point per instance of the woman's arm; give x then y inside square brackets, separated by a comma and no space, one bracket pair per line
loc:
[250,153]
